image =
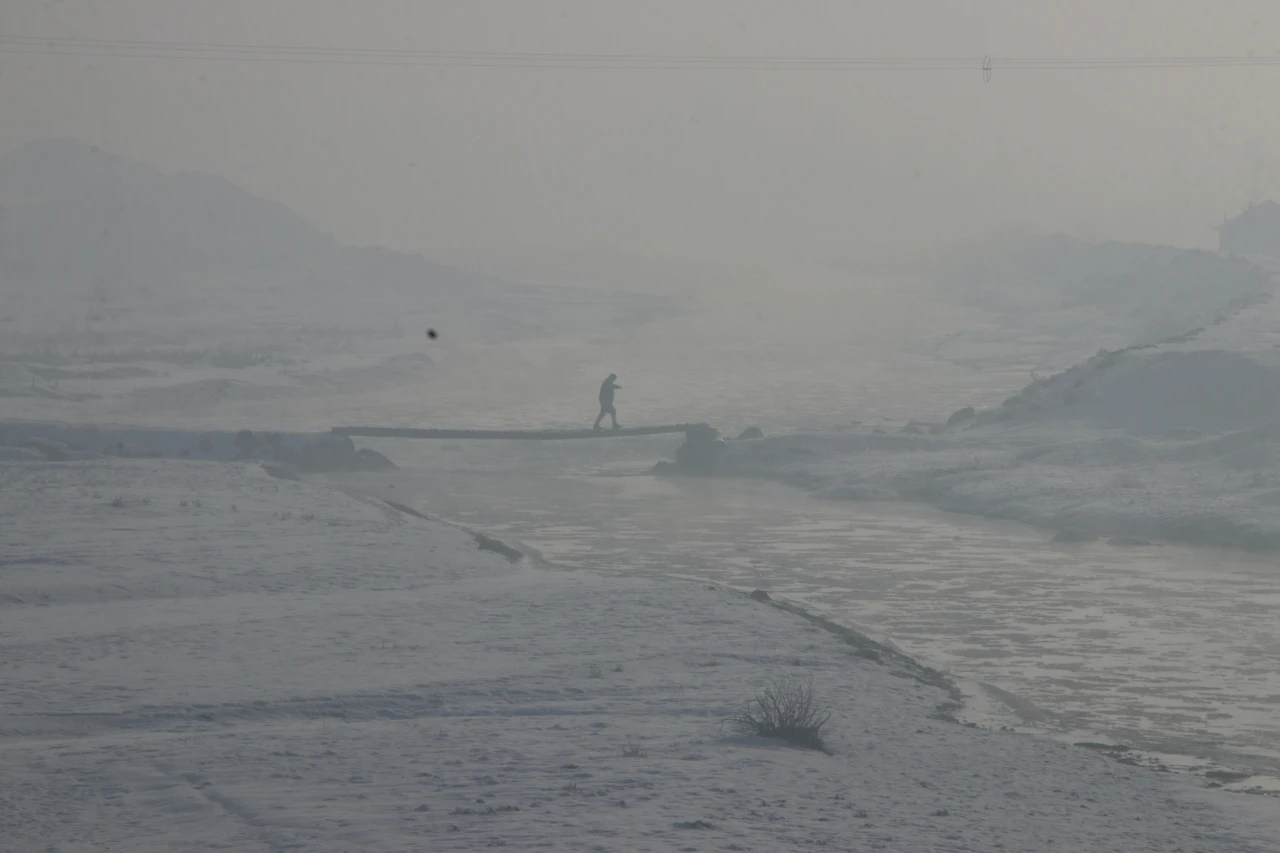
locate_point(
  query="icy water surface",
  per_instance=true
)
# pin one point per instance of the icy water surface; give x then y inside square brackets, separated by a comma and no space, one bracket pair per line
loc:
[1170,650]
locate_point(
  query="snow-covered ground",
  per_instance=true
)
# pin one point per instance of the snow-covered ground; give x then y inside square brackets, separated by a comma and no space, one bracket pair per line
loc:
[128,294]
[1174,441]
[268,343]
[1217,490]
[197,655]
[1167,649]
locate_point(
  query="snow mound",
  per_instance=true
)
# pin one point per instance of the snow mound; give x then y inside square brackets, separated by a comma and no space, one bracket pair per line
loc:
[1219,378]
[1206,390]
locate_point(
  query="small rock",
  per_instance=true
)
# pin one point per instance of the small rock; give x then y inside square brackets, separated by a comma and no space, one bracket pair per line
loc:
[330,453]
[750,432]
[488,543]
[759,595]
[921,427]
[372,460]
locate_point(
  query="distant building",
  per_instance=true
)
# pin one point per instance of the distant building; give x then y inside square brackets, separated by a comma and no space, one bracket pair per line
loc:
[1254,232]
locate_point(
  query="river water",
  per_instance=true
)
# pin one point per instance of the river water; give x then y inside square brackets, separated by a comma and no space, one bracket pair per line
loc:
[1170,650]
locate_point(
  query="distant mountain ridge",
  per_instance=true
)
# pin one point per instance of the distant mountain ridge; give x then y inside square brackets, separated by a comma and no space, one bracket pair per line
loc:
[74,216]
[1163,290]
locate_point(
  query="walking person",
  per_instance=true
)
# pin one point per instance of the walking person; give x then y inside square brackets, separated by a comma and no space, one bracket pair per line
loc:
[606,401]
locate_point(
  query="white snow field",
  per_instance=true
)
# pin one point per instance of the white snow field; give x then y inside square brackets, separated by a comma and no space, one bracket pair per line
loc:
[198,656]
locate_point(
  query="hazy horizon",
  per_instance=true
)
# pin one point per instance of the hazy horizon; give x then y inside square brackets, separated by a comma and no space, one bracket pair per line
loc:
[748,170]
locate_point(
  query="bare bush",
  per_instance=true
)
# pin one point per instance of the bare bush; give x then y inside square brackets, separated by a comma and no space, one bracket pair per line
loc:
[787,710]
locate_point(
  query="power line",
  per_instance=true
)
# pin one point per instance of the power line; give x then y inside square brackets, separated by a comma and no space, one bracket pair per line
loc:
[394,57]
[291,53]
[206,46]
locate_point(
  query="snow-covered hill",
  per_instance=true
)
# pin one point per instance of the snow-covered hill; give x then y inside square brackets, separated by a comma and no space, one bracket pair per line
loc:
[76,217]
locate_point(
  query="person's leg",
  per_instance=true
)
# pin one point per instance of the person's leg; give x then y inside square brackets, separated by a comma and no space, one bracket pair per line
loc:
[600,417]
[613,413]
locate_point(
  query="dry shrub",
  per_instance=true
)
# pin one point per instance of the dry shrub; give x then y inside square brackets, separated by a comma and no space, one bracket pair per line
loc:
[787,710]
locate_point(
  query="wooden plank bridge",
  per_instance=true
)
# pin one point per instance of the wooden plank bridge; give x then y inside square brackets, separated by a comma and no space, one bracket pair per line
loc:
[519,434]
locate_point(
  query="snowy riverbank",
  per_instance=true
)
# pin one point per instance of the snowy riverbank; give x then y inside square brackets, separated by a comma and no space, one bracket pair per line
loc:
[1177,441]
[1210,490]
[199,653]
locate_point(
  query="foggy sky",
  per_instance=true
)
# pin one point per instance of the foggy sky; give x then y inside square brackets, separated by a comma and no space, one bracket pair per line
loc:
[742,168]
